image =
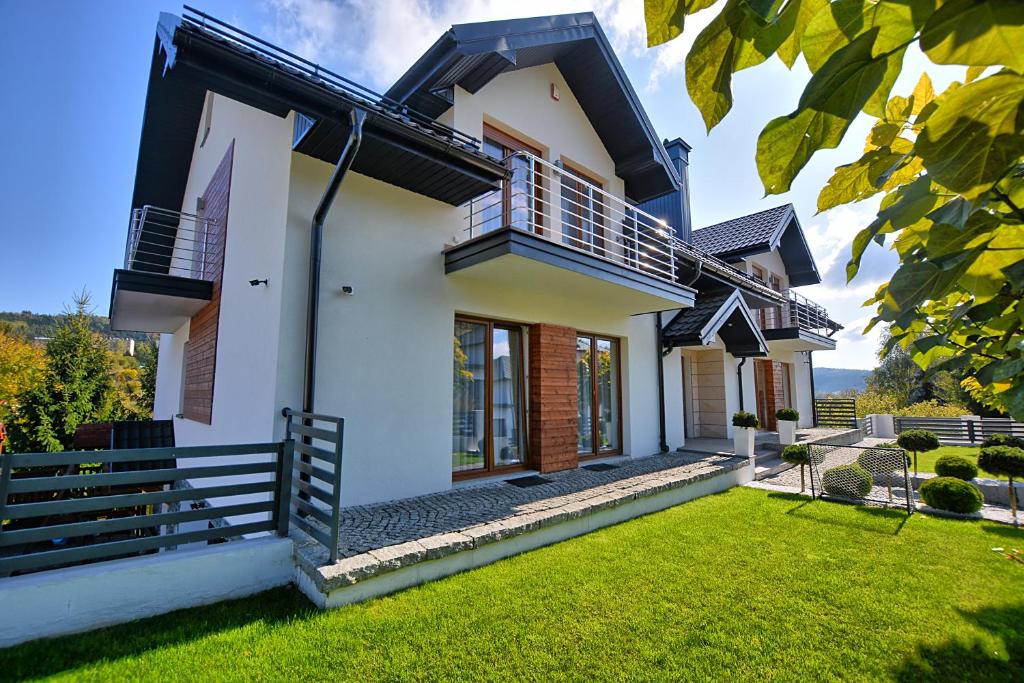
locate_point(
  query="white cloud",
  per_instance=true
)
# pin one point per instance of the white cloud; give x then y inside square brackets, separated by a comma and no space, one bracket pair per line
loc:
[375,41]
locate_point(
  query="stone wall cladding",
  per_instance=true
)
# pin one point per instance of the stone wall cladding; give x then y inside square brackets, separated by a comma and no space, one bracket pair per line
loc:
[201,352]
[553,407]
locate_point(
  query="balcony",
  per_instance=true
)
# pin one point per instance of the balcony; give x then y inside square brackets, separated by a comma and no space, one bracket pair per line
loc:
[171,261]
[799,324]
[551,229]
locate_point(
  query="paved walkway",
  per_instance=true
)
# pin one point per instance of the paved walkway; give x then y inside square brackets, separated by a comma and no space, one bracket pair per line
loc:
[386,536]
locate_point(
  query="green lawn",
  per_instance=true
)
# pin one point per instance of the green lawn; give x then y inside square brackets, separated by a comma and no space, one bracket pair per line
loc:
[926,461]
[745,585]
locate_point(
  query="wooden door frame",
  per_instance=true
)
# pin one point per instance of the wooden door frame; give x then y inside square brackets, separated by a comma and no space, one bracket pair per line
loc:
[510,144]
[490,468]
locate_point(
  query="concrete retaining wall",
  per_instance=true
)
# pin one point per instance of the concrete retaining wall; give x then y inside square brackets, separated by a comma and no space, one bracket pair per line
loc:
[63,601]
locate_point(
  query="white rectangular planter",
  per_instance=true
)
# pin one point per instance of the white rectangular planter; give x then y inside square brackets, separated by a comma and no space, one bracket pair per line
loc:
[743,441]
[787,432]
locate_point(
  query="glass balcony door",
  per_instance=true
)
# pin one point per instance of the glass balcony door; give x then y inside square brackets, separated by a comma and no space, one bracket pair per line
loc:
[598,396]
[489,417]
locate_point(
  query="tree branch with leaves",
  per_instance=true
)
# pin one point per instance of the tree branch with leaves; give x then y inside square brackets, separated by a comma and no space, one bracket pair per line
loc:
[950,165]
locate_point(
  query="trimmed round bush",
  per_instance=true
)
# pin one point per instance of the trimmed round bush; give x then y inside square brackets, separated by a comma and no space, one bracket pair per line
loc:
[952,494]
[878,461]
[745,419]
[956,466]
[1005,460]
[851,481]
[801,454]
[1002,440]
[790,414]
[797,454]
[918,440]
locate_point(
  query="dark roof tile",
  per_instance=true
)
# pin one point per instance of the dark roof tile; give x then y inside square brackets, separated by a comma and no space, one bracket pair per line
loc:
[746,232]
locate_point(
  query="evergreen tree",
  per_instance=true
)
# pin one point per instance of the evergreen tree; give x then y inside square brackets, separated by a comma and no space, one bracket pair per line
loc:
[77,386]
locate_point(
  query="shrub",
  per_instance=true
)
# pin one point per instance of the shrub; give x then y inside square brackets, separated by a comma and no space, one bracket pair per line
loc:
[916,441]
[797,454]
[1002,440]
[932,408]
[956,466]
[878,461]
[1005,460]
[790,414]
[745,419]
[950,493]
[851,481]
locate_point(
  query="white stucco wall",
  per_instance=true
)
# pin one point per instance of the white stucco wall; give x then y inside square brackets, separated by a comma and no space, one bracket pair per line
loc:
[385,351]
[245,392]
[771,262]
[520,103]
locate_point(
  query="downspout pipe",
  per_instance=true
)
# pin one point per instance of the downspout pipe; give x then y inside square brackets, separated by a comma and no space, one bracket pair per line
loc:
[814,402]
[659,354]
[316,238]
[739,378]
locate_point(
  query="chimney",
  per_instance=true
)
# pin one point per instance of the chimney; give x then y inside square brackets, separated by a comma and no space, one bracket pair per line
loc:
[679,153]
[674,207]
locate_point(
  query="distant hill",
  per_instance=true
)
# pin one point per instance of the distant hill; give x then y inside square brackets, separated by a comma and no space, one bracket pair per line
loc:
[832,380]
[33,325]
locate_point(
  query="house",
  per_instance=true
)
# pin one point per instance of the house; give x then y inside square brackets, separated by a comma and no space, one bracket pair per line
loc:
[488,269]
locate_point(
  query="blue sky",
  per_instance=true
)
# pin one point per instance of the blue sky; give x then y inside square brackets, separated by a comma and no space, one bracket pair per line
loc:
[74,78]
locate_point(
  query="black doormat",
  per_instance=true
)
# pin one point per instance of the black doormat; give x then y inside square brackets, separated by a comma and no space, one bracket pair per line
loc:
[525,482]
[600,467]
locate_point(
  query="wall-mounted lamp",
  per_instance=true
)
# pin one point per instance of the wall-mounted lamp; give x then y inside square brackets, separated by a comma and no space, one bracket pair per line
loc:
[347,289]
[264,282]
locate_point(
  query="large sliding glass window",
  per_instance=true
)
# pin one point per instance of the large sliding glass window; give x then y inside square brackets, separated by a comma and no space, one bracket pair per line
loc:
[488,427]
[599,419]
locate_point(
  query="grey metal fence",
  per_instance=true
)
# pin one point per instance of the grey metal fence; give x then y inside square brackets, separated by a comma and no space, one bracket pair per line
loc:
[73,507]
[317,488]
[835,412]
[956,431]
[866,426]
[861,474]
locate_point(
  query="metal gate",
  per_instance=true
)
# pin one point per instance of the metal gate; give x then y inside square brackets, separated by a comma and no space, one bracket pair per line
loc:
[862,474]
[840,413]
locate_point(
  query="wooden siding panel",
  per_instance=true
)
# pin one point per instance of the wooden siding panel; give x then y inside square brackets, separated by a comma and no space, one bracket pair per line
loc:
[200,365]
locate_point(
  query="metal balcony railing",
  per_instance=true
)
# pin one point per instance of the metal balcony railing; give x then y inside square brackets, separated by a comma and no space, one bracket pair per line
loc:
[798,312]
[542,198]
[171,243]
[548,200]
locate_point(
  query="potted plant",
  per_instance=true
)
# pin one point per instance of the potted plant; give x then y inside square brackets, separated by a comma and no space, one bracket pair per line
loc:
[743,436]
[787,418]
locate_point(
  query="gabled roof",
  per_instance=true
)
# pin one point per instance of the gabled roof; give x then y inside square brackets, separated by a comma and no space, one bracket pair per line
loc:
[757,233]
[195,52]
[471,55]
[722,314]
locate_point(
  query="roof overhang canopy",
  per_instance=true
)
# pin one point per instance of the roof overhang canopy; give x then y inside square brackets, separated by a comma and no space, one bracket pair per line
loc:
[471,55]
[190,58]
[725,316]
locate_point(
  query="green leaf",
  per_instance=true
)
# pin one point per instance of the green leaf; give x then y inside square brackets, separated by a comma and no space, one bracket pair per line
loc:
[975,134]
[856,181]
[796,16]
[665,18]
[909,205]
[917,282]
[924,94]
[974,33]
[834,96]
[897,21]
[985,277]
[876,104]
[973,72]
[734,40]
